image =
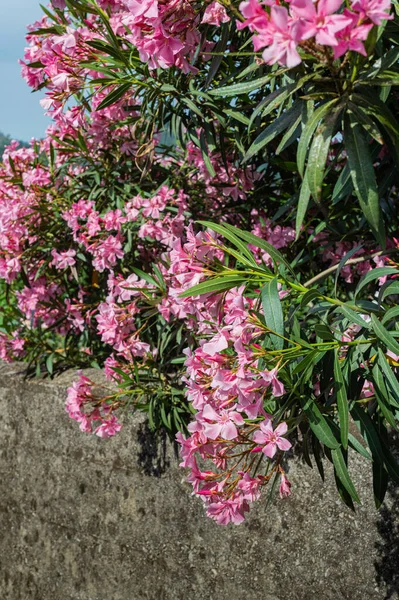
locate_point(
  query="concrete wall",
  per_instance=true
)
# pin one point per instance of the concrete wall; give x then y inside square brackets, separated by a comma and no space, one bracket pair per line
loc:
[87,519]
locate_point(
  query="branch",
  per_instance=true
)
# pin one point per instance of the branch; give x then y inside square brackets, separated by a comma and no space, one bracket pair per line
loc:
[352,261]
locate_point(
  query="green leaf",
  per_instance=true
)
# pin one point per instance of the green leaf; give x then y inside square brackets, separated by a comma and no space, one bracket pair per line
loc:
[373,275]
[371,435]
[115,95]
[144,276]
[273,312]
[308,132]
[391,380]
[258,242]
[343,186]
[310,295]
[357,446]
[381,394]
[214,286]
[353,317]
[318,153]
[342,473]
[384,335]
[225,232]
[342,400]
[363,176]
[245,87]
[219,49]
[380,483]
[392,313]
[271,102]
[389,288]
[318,424]
[303,203]
[205,155]
[274,129]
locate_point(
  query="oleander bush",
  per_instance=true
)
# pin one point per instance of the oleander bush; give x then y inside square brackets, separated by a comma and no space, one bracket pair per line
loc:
[211,219]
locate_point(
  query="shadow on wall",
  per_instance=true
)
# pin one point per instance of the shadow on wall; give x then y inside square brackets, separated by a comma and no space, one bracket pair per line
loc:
[152,454]
[387,564]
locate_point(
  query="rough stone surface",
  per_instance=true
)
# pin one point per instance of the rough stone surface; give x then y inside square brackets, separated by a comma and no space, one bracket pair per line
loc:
[87,519]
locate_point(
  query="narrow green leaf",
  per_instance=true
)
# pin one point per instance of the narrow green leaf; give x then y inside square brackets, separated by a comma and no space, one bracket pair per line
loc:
[380,483]
[370,434]
[275,128]
[342,401]
[357,446]
[384,335]
[308,132]
[310,295]
[381,394]
[214,286]
[363,176]
[303,203]
[243,88]
[318,153]
[258,242]
[273,312]
[391,380]
[115,95]
[353,317]
[373,275]
[225,232]
[318,424]
[343,474]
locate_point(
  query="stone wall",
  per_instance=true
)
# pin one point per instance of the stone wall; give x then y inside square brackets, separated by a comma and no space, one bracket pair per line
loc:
[88,519]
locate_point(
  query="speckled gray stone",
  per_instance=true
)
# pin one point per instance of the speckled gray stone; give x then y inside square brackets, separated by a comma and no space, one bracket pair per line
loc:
[88,519]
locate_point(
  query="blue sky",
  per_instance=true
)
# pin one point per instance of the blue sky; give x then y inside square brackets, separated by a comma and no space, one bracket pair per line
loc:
[21,115]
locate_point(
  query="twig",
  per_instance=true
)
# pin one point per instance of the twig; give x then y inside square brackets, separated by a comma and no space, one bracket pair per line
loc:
[352,261]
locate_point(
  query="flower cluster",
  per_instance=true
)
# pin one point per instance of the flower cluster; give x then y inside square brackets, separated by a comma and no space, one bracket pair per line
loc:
[93,414]
[312,26]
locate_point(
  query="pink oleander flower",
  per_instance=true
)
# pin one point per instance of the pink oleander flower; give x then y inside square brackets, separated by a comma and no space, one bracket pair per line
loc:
[63,260]
[221,424]
[228,511]
[108,428]
[375,10]
[144,8]
[351,37]
[319,21]
[286,34]
[215,14]
[271,439]
[256,18]
[285,486]
[270,377]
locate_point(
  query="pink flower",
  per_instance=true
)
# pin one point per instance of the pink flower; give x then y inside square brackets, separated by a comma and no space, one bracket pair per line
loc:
[270,377]
[58,4]
[351,37]
[228,511]
[215,14]
[319,21]
[271,439]
[108,427]
[221,424]
[62,260]
[144,8]
[286,35]
[285,486]
[375,10]
[255,15]
[215,345]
